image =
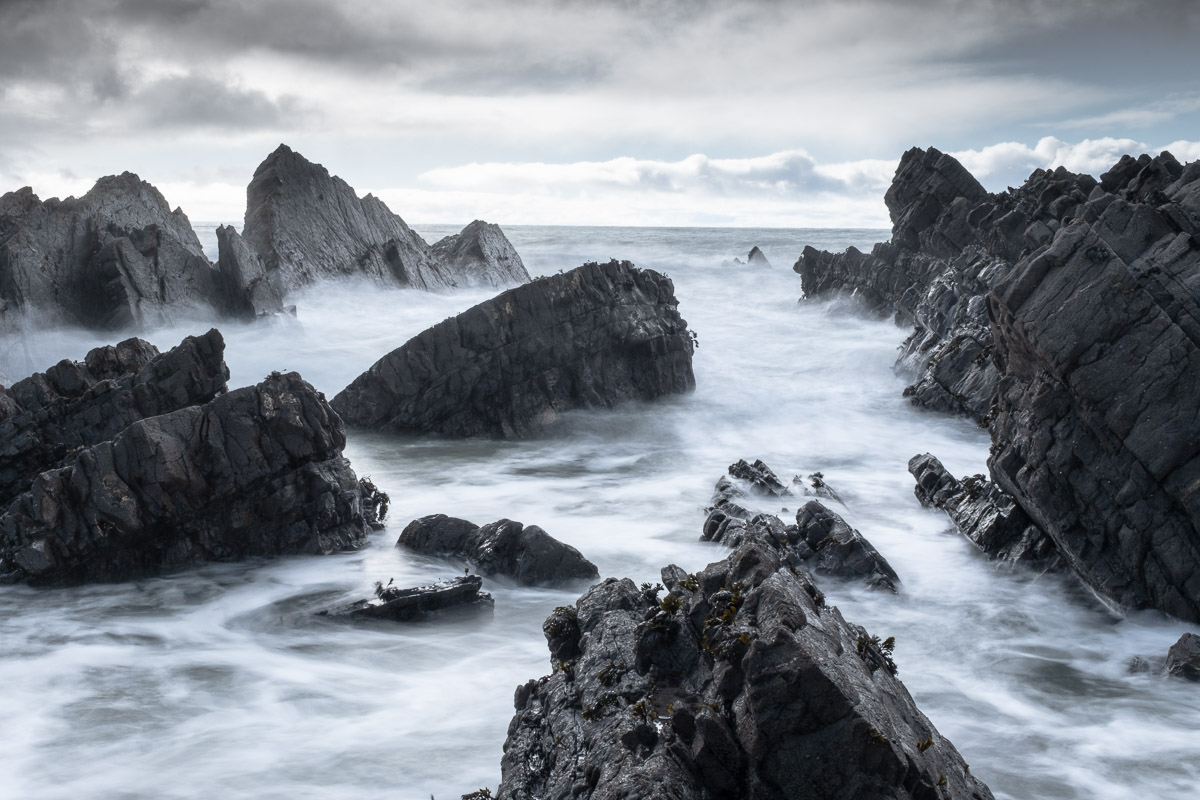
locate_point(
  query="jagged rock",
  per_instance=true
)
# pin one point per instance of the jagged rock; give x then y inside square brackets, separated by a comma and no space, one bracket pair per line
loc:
[404,605]
[594,337]
[759,477]
[528,555]
[75,405]
[481,255]
[739,683]
[246,288]
[1183,659]
[817,487]
[756,258]
[255,472]
[115,258]
[1095,434]
[984,514]
[305,224]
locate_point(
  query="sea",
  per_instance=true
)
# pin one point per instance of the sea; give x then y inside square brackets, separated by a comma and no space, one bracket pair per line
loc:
[221,681]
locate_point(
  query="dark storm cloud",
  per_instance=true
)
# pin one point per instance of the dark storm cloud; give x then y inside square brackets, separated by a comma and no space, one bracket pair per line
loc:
[193,101]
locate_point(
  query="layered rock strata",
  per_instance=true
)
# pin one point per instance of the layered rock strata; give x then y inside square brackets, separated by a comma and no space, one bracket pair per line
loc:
[481,255]
[254,472]
[404,605]
[524,553]
[595,337]
[740,682]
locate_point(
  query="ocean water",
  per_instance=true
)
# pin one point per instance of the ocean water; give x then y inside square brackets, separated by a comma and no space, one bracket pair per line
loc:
[220,681]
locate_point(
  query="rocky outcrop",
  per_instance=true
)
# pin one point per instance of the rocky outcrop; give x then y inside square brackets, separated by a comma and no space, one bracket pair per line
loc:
[985,514]
[254,472]
[740,682]
[243,284]
[756,258]
[404,605]
[1183,659]
[74,405]
[526,554]
[595,337]
[481,255]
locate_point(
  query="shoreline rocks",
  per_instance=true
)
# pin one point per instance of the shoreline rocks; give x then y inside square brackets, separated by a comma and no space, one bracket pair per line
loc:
[526,554]
[405,605]
[481,255]
[739,682]
[594,337]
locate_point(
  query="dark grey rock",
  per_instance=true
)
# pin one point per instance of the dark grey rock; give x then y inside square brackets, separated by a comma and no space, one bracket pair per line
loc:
[74,405]
[1183,659]
[739,683]
[527,554]
[255,472]
[404,605]
[246,289]
[758,477]
[306,225]
[481,255]
[594,337]
[841,551]
[817,487]
[985,514]
[756,258]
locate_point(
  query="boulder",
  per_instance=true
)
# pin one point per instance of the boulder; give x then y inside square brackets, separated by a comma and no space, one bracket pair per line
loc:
[758,478]
[985,514]
[739,682]
[595,337]
[306,225]
[1183,659]
[254,472]
[75,405]
[404,605]
[528,555]
[481,255]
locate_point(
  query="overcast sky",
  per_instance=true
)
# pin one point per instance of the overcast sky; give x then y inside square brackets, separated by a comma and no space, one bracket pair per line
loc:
[765,113]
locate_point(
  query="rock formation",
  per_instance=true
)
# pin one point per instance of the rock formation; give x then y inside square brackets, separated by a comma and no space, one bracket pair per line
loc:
[1183,659]
[243,284]
[594,337]
[984,514]
[403,605]
[253,472]
[117,257]
[527,554]
[756,258]
[481,255]
[740,682]
[1064,315]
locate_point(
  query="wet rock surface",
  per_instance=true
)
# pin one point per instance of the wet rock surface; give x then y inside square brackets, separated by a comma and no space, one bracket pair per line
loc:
[50,415]
[985,514]
[595,337]
[738,682]
[403,605]
[526,554]
[254,472]
[1183,659]
[481,255]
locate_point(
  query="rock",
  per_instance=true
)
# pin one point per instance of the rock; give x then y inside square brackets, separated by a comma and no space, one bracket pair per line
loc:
[756,258]
[528,555]
[759,477]
[246,288]
[74,405]
[404,605]
[1183,659]
[255,472]
[481,255]
[595,337]
[306,225]
[740,682]
[115,258]
[985,514]
[817,487]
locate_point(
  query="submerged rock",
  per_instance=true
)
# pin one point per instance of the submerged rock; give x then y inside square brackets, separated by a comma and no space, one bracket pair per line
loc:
[740,682]
[51,415]
[527,554]
[1183,659]
[595,337]
[255,472]
[985,514]
[756,258]
[404,605]
[481,255]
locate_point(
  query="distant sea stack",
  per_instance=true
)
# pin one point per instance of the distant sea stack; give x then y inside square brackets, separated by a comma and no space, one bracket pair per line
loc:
[306,225]
[594,337]
[1064,316]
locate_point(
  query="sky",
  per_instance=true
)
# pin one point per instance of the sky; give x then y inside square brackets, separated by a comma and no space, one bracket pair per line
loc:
[602,112]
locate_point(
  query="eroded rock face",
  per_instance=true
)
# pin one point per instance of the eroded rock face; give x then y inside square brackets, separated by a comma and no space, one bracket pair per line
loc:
[75,405]
[481,255]
[985,514]
[246,288]
[594,337]
[738,683]
[1183,659]
[255,472]
[118,257]
[305,225]
[527,554]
